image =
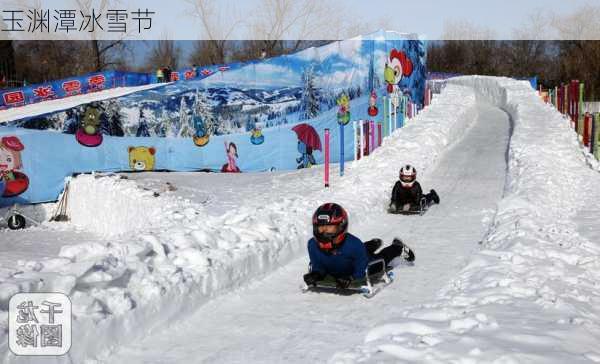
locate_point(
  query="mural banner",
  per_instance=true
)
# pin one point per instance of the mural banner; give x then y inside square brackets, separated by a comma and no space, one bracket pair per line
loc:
[260,116]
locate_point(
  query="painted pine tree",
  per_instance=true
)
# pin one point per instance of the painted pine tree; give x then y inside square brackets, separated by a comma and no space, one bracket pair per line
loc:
[310,98]
[143,130]
[202,108]
[186,122]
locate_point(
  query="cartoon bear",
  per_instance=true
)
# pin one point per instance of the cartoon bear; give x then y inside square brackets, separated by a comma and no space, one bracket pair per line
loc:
[142,158]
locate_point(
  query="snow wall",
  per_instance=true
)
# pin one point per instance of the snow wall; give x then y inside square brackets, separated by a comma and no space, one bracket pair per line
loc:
[244,118]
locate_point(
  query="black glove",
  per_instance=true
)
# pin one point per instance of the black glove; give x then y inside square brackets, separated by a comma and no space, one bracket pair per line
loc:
[343,283]
[312,278]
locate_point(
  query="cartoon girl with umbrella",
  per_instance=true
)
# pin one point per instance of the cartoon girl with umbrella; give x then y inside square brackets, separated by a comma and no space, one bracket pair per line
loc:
[308,140]
[12,182]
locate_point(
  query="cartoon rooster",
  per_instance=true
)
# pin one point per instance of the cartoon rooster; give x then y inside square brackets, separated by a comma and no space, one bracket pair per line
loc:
[398,66]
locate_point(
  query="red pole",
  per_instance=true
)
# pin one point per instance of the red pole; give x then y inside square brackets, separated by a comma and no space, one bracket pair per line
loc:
[366,133]
[576,104]
[587,123]
[372,131]
[379,126]
[326,157]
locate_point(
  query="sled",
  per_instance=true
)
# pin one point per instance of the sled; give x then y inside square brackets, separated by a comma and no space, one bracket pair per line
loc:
[368,287]
[419,210]
[17,186]
[87,140]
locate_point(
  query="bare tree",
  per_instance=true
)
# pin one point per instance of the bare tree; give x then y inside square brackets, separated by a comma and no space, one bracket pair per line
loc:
[579,49]
[102,52]
[217,23]
[164,53]
[274,21]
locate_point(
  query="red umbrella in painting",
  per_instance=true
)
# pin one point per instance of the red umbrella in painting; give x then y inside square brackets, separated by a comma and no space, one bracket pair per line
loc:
[308,135]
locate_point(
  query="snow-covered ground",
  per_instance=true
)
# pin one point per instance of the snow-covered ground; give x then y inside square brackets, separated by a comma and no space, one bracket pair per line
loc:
[49,106]
[207,268]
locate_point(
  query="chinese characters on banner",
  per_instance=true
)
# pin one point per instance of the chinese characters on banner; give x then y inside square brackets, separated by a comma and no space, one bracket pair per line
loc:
[65,21]
[39,324]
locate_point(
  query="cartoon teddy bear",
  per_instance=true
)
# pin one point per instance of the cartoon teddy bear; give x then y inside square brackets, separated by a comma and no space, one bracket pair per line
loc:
[142,158]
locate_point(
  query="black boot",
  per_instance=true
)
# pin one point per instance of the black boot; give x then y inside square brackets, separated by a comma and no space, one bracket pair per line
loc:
[372,245]
[434,196]
[407,253]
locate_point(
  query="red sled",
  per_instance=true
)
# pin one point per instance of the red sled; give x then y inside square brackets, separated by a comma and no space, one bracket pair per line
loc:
[84,139]
[373,110]
[17,186]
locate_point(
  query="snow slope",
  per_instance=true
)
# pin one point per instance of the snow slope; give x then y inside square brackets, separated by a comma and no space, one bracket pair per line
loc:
[271,322]
[189,256]
[163,258]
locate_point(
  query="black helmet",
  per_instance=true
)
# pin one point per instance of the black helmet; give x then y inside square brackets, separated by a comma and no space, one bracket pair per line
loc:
[330,214]
[408,175]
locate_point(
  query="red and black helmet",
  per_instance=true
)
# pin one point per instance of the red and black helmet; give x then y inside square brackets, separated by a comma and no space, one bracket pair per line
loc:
[330,214]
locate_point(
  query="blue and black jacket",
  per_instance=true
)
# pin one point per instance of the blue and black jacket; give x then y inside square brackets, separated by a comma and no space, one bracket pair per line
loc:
[350,259]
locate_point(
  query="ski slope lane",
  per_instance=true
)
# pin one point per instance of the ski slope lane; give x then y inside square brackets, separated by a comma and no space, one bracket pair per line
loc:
[270,321]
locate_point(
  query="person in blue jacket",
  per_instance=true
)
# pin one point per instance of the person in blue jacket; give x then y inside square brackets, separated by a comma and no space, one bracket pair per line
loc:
[335,252]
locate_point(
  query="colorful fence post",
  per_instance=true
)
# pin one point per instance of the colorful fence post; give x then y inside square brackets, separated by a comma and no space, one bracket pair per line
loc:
[326,158]
[372,135]
[355,141]
[341,149]
[566,99]
[596,133]
[587,123]
[362,139]
[386,130]
[593,136]
[390,114]
[367,137]
[574,100]
[379,128]
[580,111]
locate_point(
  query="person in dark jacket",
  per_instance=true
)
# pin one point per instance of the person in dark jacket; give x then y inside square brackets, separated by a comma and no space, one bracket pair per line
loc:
[407,192]
[335,252]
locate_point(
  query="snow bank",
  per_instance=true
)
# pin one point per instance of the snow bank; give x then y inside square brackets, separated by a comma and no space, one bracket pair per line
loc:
[532,293]
[164,257]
